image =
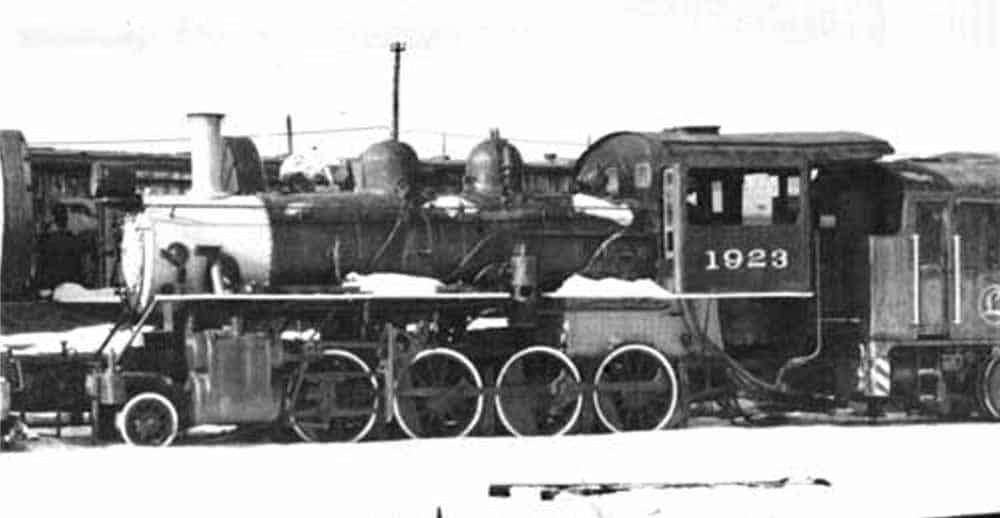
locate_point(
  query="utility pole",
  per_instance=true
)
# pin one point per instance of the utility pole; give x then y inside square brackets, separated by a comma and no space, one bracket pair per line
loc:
[396,48]
[288,133]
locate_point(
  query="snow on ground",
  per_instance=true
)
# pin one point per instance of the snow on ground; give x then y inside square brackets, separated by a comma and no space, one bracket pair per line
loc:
[902,470]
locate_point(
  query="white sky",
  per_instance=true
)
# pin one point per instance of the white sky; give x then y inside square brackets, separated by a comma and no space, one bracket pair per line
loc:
[920,74]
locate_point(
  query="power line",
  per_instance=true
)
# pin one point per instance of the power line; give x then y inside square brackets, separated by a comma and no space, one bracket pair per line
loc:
[108,141]
[325,131]
[514,139]
[321,131]
[185,139]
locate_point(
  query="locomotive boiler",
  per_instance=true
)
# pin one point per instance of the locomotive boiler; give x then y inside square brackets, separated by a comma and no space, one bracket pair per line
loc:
[391,222]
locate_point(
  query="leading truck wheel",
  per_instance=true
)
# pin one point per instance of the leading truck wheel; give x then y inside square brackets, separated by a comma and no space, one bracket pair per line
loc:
[335,399]
[538,393]
[636,388]
[989,390]
[148,419]
[439,394]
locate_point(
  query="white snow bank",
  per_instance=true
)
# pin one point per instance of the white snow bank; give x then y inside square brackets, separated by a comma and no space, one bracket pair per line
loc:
[86,339]
[237,483]
[620,213]
[69,292]
[210,429]
[579,286]
[392,284]
[452,204]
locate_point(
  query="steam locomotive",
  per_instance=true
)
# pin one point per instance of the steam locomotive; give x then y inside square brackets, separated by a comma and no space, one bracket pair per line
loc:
[680,267]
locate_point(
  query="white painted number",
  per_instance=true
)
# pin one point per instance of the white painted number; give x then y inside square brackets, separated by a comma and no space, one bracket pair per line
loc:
[732,258]
[779,258]
[713,264]
[757,258]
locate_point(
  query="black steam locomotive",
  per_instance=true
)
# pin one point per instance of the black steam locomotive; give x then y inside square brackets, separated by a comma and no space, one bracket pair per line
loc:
[677,267]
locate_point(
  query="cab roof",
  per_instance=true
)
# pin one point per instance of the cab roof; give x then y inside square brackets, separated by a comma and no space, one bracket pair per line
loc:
[816,146]
[975,174]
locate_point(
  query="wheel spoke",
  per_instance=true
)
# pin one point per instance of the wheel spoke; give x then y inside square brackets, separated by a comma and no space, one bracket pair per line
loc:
[337,400]
[636,389]
[538,392]
[450,402]
[148,419]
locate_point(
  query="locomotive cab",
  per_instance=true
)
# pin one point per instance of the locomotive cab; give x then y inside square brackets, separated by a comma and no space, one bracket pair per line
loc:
[736,225]
[735,209]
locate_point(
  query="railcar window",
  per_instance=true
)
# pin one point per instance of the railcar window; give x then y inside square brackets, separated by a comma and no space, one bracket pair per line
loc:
[979,226]
[740,197]
[930,226]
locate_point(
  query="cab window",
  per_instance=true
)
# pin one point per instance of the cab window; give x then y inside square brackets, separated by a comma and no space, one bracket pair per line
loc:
[743,197]
[979,228]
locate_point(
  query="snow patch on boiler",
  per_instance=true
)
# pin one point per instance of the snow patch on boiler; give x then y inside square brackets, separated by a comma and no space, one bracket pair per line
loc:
[392,284]
[579,286]
[452,205]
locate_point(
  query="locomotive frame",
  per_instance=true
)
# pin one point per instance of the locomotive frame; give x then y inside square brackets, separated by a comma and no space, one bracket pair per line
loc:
[233,375]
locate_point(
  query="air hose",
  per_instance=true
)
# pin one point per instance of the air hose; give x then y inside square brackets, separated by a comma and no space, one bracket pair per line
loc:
[744,379]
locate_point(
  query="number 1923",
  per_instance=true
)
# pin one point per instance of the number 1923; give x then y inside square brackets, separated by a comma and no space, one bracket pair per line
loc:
[757,258]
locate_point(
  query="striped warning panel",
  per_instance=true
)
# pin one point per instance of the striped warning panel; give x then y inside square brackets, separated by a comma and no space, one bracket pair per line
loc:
[880,372]
[874,371]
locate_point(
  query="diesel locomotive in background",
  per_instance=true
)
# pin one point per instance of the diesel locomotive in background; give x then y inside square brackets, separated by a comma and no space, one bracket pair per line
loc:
[798,268]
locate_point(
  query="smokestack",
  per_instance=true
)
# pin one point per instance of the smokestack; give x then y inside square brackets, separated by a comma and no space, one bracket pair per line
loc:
[207,153]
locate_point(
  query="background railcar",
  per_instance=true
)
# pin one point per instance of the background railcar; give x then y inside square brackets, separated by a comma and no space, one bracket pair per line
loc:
[920,280]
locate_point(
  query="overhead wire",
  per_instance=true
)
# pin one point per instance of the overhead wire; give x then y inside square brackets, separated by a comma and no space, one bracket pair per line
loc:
[185,139]
[554,142]
[323,131]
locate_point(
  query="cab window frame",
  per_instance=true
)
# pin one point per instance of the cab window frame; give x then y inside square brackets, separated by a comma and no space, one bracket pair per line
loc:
[718,196]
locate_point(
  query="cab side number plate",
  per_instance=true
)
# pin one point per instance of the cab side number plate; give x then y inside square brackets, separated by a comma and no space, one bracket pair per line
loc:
[754,259]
